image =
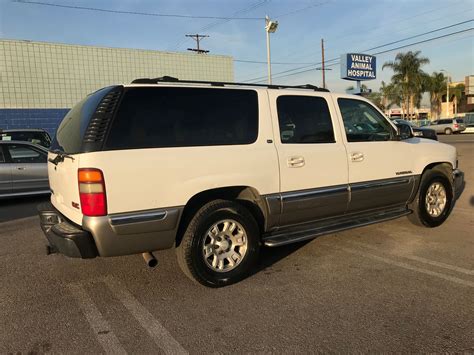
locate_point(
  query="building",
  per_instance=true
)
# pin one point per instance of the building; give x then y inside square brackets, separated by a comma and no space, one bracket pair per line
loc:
[466,101]
[40,82]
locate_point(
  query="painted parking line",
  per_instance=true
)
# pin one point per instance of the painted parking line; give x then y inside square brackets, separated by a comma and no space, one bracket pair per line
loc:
[417,258]
[155,329]
[101,328]
[407,266]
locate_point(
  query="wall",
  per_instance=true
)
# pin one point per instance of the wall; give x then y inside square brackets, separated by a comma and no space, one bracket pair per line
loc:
[51,76]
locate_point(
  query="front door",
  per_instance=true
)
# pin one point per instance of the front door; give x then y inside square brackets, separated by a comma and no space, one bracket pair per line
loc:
[5,174]
[29,171]
[380,167]
[312,157]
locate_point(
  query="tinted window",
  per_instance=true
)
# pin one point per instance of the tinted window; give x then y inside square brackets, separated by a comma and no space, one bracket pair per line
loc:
[304,119]
[24,154]
[363,123]
[41,138]
[73,126]
[445,121]
[172,117]
[459,120]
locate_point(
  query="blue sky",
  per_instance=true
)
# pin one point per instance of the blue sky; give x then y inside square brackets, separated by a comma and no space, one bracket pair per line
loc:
[346,26]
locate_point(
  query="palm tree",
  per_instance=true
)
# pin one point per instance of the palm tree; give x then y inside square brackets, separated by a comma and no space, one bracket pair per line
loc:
[436,87]
[456,94]
[408,75]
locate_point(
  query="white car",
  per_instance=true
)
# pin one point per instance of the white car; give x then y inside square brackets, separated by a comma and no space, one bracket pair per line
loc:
[216,170]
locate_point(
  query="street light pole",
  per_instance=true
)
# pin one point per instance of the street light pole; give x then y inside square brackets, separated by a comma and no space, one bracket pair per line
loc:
[270,27]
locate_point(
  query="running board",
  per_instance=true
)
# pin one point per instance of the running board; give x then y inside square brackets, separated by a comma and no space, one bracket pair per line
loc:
[313,230]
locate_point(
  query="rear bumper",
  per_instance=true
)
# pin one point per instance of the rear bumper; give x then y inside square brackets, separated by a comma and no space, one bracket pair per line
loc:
[112,235]
[64,236]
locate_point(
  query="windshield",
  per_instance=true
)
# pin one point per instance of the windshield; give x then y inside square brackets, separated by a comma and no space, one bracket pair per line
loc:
[41,138]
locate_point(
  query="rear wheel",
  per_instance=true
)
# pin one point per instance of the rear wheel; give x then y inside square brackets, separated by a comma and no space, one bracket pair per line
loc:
[448,131]
[433,203]
[220,245]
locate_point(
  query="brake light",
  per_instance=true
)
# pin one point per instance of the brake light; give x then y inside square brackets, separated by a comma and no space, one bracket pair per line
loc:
[456,125]
[92,192]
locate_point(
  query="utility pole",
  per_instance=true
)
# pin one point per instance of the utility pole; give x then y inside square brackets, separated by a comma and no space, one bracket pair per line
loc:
[322,62]
[197,38]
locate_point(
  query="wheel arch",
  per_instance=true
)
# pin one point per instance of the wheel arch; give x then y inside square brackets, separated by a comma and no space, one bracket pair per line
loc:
[247,196]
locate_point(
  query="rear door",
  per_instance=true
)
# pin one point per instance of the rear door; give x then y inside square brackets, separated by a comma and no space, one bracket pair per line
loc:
[5,174]
[28,168]
[312,156]
[380,167]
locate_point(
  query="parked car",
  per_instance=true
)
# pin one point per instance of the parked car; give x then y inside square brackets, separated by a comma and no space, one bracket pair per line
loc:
[216,170]
[32,135]
[23,169]
[469,122]
[448,126]
[418,131]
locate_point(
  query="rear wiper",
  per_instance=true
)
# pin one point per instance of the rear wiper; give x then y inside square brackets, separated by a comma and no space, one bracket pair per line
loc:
[59,157]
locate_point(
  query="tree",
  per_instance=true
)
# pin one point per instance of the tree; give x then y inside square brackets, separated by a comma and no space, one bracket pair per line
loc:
[436,87]
[409,77]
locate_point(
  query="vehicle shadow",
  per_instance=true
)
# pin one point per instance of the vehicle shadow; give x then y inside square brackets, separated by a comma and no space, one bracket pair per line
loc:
[270,256]
[20,207]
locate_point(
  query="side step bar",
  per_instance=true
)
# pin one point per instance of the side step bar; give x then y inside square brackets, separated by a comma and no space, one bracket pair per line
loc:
[309,231]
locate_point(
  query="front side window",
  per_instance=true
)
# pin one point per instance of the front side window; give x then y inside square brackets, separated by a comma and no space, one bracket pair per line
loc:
[180,117]
[21,154]
[304,119]
[363,123]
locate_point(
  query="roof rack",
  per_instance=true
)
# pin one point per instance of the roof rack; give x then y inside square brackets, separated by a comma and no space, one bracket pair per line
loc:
[170,79]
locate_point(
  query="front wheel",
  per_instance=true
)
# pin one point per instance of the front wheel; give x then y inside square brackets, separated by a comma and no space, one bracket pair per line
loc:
[433,203]
[220,245]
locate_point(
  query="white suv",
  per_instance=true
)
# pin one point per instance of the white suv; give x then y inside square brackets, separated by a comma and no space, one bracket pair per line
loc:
[217,170]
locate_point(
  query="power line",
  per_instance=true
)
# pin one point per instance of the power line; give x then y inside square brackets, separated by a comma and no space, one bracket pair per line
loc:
[154,14]
[382,52]
[366,50]
[356,31]
[221,22]
[301,9]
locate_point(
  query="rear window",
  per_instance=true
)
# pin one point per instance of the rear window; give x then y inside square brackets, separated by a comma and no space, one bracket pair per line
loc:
[71,131]
[180,117]
[41,138]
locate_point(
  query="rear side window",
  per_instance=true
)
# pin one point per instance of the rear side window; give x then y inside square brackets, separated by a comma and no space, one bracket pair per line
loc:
[70,133]
[459,120]
[180,117]
[445,121]
[304,119]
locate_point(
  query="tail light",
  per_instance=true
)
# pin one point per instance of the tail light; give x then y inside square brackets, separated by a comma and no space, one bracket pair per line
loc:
[456,125]
[92,192]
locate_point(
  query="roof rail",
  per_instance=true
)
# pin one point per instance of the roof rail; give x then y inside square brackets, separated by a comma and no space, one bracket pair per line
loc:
[170,79]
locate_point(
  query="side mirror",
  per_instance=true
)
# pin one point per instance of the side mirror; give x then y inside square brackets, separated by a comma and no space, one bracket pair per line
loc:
[404,131]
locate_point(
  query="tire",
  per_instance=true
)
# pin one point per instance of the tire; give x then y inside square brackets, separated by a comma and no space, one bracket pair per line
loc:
[209,247]
[448,131]
[436,214]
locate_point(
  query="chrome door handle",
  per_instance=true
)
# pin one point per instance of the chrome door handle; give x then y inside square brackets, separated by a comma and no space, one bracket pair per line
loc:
[295,162]
[21,168]
[357,156]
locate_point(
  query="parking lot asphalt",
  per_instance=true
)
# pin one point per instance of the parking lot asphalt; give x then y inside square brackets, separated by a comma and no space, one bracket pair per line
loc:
[386,287]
